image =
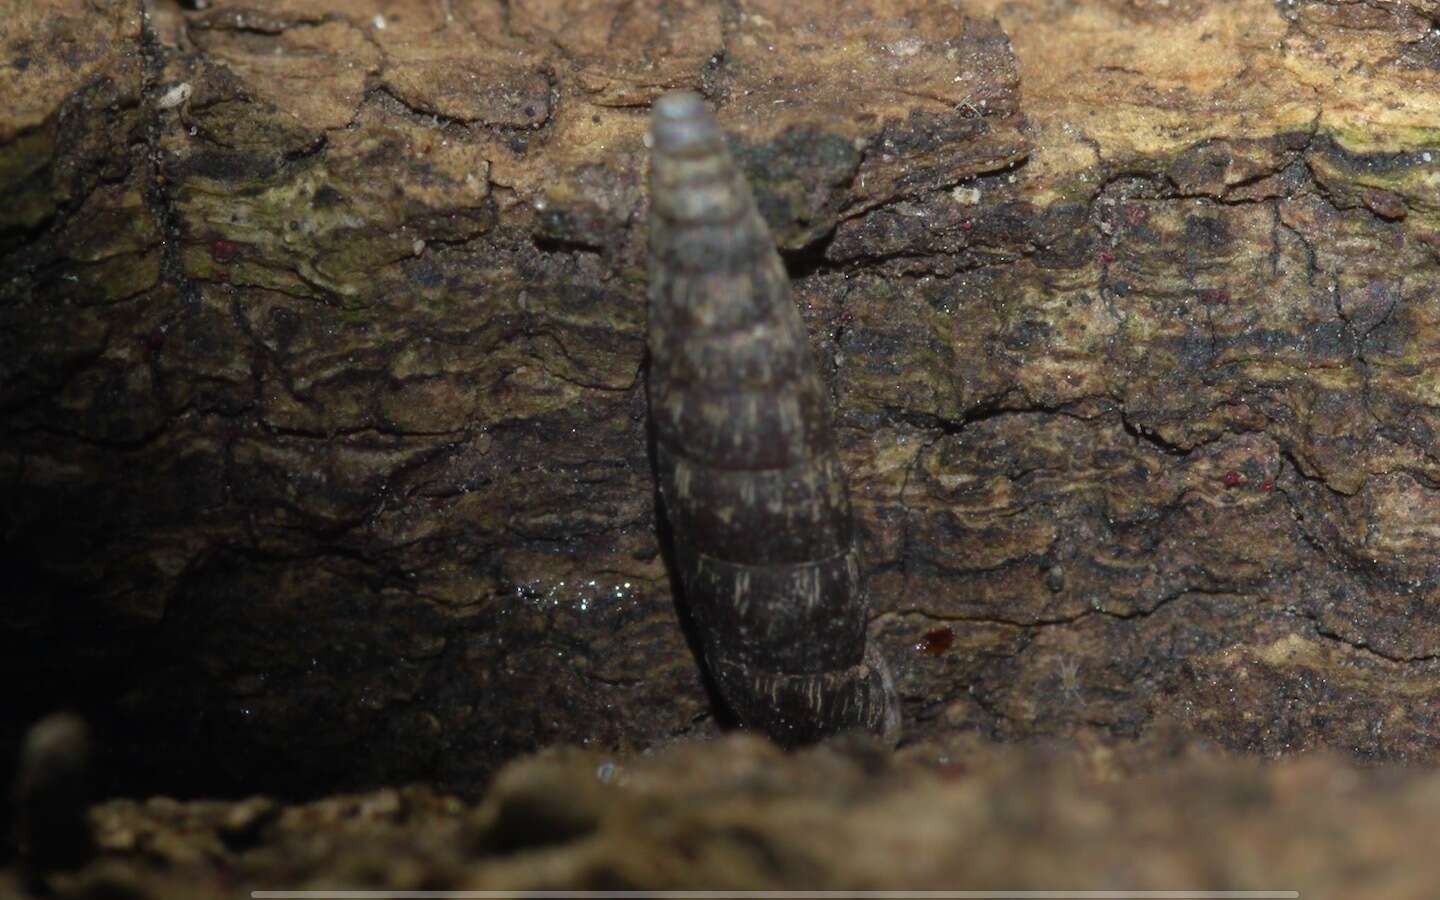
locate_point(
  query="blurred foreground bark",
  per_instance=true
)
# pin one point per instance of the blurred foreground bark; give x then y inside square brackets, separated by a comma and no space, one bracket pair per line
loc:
[736,814]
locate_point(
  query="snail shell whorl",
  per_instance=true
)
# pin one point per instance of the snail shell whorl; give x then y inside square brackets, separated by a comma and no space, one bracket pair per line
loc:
[746,456]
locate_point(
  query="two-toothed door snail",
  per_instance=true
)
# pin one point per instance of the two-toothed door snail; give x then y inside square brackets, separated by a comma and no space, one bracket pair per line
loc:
[745,454]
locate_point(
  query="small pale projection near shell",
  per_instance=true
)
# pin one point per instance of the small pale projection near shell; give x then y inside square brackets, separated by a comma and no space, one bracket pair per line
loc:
[745,454]
[175,96]
[51,795]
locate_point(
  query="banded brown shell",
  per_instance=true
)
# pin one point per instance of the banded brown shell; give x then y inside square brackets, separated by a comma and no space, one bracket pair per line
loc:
[745,453]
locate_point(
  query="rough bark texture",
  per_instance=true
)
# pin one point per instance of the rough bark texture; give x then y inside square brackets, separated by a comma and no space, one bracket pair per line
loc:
[736,814]
[322,323]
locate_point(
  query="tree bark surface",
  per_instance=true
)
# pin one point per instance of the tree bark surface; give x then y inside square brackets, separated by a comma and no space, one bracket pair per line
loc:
[322,328]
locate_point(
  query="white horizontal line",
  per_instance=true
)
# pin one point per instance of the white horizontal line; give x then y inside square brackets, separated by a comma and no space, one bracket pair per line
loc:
[765,895]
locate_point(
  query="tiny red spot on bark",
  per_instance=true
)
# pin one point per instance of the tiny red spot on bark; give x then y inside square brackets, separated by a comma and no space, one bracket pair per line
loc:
[1107,257]
[936,642]
[1385,204]
[1267,485]
[222,251]
[1233,479]
[966,225]
[154,341]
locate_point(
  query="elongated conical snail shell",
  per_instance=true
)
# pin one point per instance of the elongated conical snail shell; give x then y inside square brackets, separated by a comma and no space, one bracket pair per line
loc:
[745,452]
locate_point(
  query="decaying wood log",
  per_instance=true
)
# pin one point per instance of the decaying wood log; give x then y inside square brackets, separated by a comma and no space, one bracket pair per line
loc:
[736,814]
[322,325]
